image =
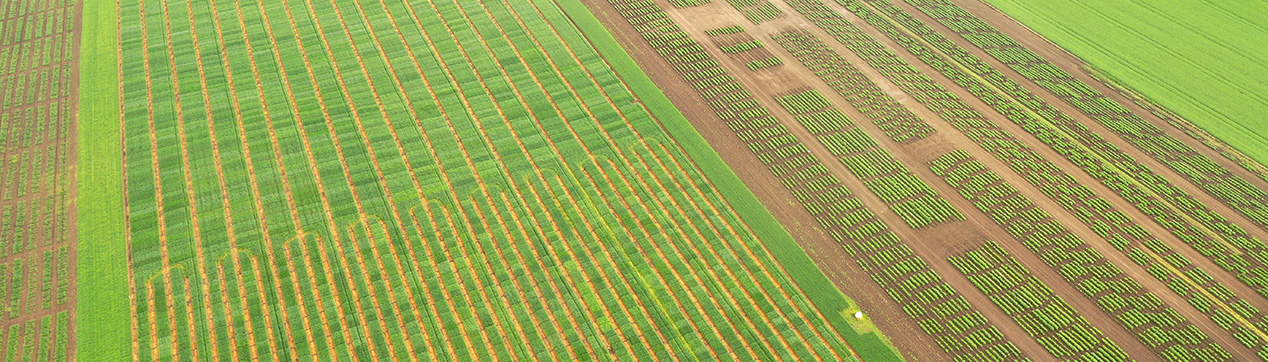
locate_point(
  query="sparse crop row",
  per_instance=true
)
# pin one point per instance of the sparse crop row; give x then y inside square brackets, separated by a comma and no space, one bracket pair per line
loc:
[756,11]
[905,194]
[739,45]
[1155,324]
[764,63]
[688,3]
[1057,327]
[742,47]
[944,314]
[1192,222]
[733,29]
[1183,159]
[897,121]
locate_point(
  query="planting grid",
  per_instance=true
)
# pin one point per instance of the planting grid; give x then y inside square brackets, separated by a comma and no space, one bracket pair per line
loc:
[373,180]
[38,56]
[1147,234]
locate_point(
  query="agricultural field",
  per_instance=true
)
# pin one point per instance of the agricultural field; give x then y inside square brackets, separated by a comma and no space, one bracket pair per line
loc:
[629,180]
[996,198]
[38,55]
[1140,43]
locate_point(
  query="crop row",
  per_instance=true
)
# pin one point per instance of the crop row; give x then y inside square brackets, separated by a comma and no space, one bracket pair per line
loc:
[1118,228]
[1045,316]
[1154,323]
[764,63]
[38,53]
[34,283]
[742,47]
[33,127]
[30,171]
[905,194]
[23,21]
[895,120]
[756,11]
[943,313]
[733,29]
[1192,222]
[43,339]
[1247,199]
[688,3]
[25,90]
[471,248]
[32,223]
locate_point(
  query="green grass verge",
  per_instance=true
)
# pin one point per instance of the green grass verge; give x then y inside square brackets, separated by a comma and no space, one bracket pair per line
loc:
[1201,59]
[870,345]
[103,319]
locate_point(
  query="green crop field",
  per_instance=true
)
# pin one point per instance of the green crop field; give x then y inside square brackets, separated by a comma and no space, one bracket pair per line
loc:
[1201,59]
[420,180]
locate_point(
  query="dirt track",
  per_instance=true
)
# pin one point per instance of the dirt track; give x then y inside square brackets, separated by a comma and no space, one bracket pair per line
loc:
[934,243]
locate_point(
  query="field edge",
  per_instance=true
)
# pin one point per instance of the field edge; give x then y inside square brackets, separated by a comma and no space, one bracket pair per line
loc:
[102,304]
[870,346]
[1222,127]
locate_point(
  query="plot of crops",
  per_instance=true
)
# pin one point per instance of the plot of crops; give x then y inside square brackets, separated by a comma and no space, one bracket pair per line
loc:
[387,180]
[37,157]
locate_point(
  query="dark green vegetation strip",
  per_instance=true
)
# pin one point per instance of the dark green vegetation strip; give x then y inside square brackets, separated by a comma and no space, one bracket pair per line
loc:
[1045,316]
[820,290]
[102,322]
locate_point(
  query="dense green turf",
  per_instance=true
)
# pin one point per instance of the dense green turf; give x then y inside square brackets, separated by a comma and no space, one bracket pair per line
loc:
[102,320]
[1202,59]
[871,346]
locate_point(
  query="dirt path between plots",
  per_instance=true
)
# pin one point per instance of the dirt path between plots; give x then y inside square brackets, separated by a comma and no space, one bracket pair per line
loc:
[826,253]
